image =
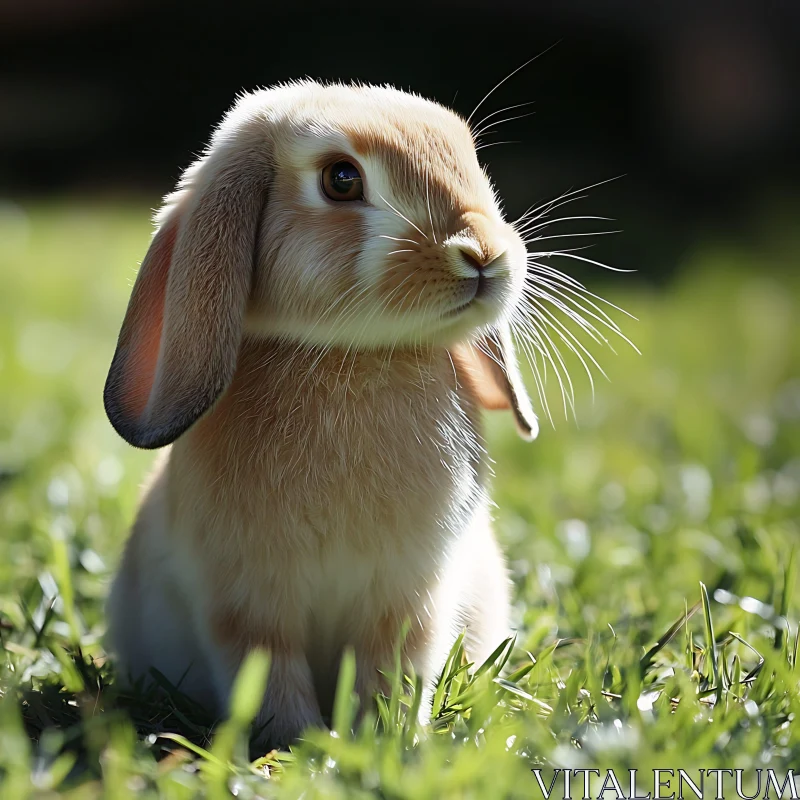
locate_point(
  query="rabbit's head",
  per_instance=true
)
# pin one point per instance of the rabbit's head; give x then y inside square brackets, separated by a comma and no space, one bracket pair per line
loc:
[350,216]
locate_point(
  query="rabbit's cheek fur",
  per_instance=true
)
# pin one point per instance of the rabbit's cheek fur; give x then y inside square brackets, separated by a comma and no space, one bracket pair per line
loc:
[307,261]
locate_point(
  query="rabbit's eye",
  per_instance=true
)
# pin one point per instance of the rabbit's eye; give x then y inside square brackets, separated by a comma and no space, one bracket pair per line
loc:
[342,181]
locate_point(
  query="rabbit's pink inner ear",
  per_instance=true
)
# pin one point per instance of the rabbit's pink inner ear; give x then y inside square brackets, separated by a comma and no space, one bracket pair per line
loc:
[484,377]
[492,371]
[140,337]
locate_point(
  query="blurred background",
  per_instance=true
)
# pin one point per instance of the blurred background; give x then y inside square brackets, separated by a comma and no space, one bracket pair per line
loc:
[683,467]
[695,102]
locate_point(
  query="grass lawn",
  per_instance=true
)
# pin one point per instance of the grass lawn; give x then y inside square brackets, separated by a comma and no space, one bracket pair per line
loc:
[683,473]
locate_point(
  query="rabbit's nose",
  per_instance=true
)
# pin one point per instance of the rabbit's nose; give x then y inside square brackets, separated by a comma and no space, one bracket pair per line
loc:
[473,259]
[469,257]
[477,260]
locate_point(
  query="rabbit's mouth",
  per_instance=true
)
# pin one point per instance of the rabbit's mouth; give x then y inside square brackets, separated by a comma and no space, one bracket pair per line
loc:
[488,288]
[479,289]
[482,303]
[458,310]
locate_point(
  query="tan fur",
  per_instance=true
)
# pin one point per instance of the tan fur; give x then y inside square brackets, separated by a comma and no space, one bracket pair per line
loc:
[327,481]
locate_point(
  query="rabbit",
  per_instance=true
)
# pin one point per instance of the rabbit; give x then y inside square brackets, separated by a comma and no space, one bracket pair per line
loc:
[322,314]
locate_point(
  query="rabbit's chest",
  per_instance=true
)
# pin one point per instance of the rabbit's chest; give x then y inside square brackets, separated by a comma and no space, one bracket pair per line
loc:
[335,463]
[328,503]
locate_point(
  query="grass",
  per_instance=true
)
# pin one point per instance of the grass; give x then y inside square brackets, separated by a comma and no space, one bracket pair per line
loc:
[652,551]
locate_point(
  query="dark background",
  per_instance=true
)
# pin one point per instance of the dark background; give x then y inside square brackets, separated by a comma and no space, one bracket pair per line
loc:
[696,104]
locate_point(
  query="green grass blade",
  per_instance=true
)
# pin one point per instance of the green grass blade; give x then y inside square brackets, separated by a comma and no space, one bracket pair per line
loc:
[345,704]
[247,697]
[711,642]
[647,659]
[442,685]
[785,600]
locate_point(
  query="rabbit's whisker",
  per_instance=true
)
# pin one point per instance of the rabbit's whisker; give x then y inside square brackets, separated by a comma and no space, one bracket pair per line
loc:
[501,82]
[543,282]
[566,197]
[532,352]
[428,199]
[485,132]
[529,227]
[535,331]
[490,334]
[573,286]
[569,254]
[402,216]
[546,293]
[532,293]
[552,292]
[536,239]
[396,238]
[531,214]
[477,128]
[495,144]
[567,389]
[570,340]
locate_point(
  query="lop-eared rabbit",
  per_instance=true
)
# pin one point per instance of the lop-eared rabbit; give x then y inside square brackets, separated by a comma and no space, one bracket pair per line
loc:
[322,313]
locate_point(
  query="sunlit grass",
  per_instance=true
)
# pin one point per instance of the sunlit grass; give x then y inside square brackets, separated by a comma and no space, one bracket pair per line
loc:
[651,548]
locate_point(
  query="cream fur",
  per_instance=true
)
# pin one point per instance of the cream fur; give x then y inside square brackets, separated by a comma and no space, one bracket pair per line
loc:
[327,480]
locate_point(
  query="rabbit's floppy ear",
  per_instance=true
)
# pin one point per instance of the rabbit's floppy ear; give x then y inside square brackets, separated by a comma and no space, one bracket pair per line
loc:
[179,341]
[491,365]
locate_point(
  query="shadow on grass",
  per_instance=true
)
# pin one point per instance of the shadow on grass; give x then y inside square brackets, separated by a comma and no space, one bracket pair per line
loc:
[59,719]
